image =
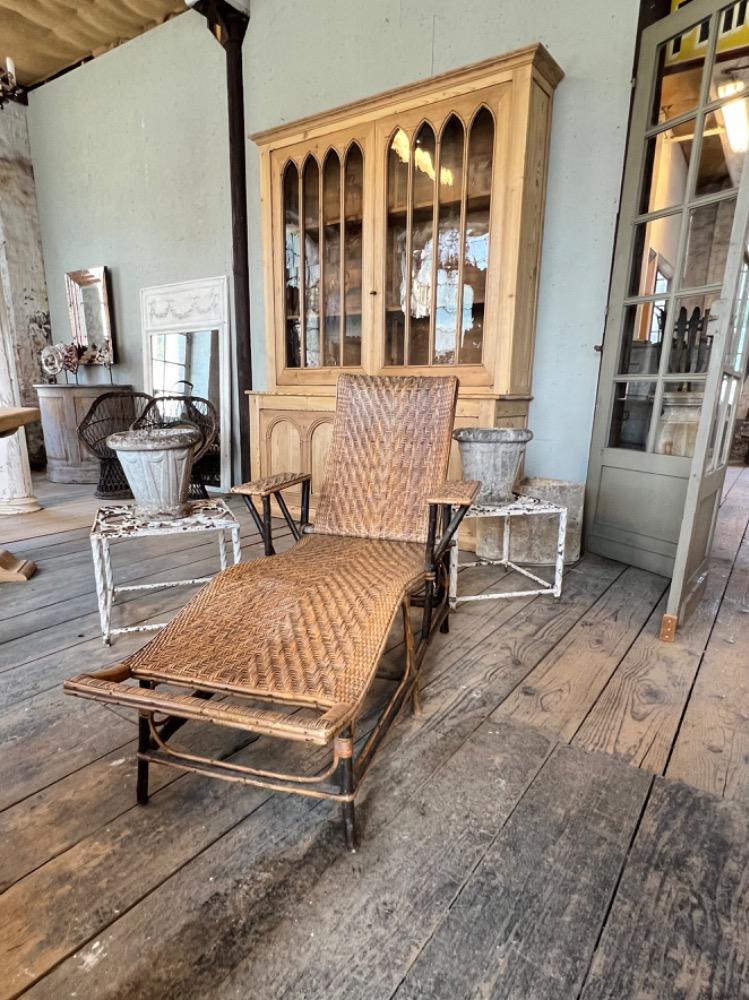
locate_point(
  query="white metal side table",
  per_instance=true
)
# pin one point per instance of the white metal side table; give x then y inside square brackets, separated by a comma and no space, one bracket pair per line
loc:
[117,523]
[519,506]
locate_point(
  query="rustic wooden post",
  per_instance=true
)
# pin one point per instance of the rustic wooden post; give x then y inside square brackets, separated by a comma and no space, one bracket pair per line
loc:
[228,24]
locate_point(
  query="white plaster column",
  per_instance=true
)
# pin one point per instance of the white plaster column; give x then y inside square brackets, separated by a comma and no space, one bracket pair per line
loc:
[16,490]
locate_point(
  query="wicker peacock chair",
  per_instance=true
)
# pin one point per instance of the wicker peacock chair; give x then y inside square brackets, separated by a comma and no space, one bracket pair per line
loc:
[166,411]
[110,413]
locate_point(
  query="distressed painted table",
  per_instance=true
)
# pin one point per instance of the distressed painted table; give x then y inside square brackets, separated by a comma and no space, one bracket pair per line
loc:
[117,523]
[519,506]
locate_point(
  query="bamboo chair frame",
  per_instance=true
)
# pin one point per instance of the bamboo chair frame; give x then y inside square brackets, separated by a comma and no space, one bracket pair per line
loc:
[443,507]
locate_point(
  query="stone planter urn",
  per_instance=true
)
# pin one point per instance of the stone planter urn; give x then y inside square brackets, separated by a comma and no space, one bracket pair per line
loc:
[157,462]
[492,455]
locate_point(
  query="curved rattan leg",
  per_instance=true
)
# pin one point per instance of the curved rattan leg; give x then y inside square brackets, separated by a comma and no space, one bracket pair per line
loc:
[144,745]
[345,747]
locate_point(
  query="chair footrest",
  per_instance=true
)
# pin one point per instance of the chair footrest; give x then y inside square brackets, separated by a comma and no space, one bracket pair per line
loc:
[306,725]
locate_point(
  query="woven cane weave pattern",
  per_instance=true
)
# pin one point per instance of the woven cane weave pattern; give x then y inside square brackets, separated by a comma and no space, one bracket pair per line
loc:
[389,452]
[264,487]
[306,627]
[456,493]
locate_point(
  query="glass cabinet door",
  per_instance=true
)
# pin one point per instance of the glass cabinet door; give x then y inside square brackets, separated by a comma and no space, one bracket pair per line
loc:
[438,206]
[323,230]
[693,156]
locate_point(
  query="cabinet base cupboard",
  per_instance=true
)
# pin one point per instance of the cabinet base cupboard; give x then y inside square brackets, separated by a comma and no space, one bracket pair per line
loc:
[402,235]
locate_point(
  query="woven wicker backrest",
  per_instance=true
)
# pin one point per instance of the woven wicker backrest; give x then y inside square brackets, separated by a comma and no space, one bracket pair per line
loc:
[390,449]
[166,411]
[109,413]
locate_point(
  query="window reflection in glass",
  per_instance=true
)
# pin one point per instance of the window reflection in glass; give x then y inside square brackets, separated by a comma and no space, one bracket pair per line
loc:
[691,336]
[322,260]
[739,320]
[725,140]
[476,245]
[331,259]
[352,277]
[667,157]
[422,244]
[311,212]
[655,248]
[448,242]
[730,73]
[680,63]
[708,235]
[679,418]
[630,422]
[292,264]
[396,284]
[643,337]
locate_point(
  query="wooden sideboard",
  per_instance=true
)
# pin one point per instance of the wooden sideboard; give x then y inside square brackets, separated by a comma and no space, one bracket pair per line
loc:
[62,408]
[402,235]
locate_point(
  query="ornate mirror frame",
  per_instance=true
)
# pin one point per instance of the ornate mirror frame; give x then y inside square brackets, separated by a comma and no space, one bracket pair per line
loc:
[189,307]
[75,284]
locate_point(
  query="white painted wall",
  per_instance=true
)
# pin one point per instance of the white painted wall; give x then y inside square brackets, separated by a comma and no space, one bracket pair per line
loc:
[131,156]
[132,166]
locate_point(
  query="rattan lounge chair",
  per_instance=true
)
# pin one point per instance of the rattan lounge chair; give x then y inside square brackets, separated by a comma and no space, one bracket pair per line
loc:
[288,646]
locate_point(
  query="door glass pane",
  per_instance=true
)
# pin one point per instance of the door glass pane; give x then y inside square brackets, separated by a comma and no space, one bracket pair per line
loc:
[708,233]
[667,157]
[422,231]
[691,336]
[642,337]
[654,255]
[679,417]
[332,259]
[679,73]
[732,393]
[731,69]
[633,405]
[291,266]
[448,241]
[739,321]
[353,211]
[476,247]
[311,212]
[725,139]
[396,285]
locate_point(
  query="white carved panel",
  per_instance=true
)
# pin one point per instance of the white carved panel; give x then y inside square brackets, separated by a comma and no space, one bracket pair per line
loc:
[196,304]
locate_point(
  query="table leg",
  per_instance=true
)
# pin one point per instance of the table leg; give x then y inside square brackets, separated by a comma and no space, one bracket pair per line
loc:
[235,544]
[222,550]
[506,540]
[453,588]
[561,540]
[109,585]
[100,584]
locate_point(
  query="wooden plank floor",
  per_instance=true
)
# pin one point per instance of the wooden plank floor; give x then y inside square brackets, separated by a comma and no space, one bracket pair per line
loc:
[518,839]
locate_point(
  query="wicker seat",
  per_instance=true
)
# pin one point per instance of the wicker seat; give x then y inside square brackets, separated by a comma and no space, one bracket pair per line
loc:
[110,413]
[166,411]
[289,645]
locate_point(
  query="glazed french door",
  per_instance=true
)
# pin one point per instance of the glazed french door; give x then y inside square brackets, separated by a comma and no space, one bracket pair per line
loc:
[675,343]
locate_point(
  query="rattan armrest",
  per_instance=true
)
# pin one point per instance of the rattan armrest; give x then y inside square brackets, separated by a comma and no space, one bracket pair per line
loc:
[271,484]
[458,493]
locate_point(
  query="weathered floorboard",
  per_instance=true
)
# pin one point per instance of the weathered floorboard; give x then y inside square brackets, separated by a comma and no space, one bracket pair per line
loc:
[638,713]
[527,922]
[679,926]
[285,888]
[712,747]
[559,693]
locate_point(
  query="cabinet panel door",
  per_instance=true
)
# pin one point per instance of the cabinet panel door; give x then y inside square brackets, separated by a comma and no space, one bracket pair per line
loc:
[321,225]
[440,171]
